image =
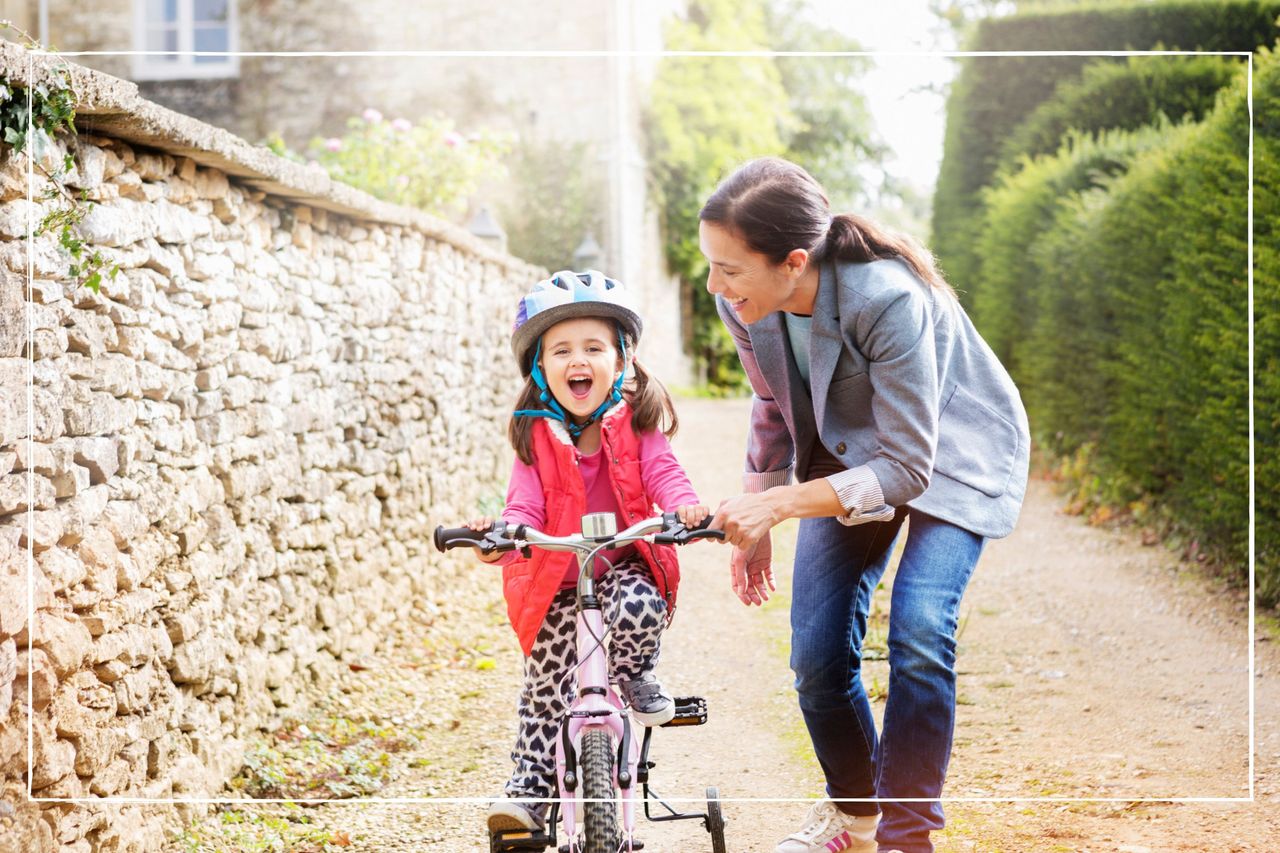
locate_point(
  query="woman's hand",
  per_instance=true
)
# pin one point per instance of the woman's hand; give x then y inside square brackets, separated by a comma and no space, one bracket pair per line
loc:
[691,515]
[751,572]
[745,519]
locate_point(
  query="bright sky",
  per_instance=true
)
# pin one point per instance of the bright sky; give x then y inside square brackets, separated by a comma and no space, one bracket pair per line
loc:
[906,94]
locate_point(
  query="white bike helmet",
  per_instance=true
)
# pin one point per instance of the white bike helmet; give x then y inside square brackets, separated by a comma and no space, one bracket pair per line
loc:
[563,296]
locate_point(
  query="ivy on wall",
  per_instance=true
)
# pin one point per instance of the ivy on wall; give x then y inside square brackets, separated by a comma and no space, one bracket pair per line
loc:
[30,120]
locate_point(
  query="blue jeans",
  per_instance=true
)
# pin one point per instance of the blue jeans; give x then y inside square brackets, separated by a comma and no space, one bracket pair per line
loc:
[837,569]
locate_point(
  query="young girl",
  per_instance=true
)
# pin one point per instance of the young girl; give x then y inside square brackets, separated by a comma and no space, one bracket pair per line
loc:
[586,440]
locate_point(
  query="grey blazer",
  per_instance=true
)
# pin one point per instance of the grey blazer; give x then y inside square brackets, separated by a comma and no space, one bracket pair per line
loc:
[901,382]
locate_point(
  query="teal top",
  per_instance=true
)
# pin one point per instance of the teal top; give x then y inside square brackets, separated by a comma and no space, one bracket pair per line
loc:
[798,326]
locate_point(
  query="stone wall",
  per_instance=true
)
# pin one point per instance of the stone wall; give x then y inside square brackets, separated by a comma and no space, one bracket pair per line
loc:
[540,98]
[240,448]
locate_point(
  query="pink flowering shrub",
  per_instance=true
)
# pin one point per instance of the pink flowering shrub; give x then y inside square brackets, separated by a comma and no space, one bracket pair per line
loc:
[427,164]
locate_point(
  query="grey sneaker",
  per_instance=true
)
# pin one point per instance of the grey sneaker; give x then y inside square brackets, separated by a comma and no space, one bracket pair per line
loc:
[650,704]
[508,814]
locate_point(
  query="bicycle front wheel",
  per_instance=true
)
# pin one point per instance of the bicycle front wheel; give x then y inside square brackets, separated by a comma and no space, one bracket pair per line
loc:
[600,819]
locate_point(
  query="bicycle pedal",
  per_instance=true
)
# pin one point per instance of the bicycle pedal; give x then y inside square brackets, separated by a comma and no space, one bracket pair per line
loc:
[690,711]
[518,840]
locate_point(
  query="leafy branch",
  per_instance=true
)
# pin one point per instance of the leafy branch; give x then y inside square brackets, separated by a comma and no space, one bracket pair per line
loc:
[29,120]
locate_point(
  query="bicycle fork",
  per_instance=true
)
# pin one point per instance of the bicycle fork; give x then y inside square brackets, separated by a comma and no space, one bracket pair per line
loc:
[597,707]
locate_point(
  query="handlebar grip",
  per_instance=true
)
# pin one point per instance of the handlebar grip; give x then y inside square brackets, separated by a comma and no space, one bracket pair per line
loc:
[701,531]
[457,537]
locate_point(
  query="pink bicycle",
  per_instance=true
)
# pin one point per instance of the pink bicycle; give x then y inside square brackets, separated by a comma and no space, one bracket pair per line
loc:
[599,760]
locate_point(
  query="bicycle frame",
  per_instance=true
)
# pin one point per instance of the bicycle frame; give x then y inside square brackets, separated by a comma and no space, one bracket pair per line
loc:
[597,705]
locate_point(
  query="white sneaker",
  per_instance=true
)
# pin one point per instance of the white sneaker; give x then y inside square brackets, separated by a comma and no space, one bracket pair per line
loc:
[509,814]
[828,830]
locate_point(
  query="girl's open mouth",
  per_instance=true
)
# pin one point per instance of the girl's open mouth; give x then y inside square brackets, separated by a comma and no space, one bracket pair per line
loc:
[580,388]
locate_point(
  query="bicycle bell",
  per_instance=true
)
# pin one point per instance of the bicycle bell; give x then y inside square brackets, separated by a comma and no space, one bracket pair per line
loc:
[599,525]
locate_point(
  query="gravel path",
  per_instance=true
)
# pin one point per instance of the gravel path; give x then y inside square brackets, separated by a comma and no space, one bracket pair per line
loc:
[1091,667]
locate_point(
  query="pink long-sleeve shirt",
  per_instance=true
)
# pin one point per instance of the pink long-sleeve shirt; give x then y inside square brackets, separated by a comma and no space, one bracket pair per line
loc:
[665,481]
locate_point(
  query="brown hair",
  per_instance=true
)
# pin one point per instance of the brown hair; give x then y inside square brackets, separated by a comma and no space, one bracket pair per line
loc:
[776,206]
[651,406]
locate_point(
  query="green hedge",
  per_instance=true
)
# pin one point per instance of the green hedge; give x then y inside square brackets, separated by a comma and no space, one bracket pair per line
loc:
[1017,211]
[1134,344]
[1266,320]
[1125,94]
[991,96]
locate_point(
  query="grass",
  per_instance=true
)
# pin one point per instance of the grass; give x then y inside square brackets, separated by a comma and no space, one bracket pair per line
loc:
[323,758]
[704,392]
[241,831]
[1268,625]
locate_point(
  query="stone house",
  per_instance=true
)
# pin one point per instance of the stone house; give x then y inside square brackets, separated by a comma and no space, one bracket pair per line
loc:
[594,99]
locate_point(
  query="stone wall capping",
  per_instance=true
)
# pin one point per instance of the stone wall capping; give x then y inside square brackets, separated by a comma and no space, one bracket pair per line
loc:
[111,107]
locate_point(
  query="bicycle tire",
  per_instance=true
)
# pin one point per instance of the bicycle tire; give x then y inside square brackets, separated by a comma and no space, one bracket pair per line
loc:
[599,819]
[715,821]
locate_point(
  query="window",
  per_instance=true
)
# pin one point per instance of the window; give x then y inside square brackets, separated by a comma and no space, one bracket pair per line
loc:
[184,26]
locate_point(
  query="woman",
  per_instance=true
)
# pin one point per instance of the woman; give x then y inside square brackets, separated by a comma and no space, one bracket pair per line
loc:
[873,388]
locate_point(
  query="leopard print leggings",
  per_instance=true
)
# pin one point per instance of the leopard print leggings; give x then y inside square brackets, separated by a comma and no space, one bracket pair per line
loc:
[637,612]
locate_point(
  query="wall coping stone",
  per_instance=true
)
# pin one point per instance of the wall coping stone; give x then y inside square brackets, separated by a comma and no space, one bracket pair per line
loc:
[109,106]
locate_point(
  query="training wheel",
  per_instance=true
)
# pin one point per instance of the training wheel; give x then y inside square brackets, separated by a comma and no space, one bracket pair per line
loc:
[714,821]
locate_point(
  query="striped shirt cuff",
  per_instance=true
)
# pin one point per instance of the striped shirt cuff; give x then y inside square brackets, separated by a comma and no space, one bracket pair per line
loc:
[753,481]
[859,492]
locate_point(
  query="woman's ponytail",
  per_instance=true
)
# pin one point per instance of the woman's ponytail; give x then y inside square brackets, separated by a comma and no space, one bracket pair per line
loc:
[860,240]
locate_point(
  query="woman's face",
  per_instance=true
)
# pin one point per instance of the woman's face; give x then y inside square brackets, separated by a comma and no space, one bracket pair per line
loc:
[581,361]
[753,286]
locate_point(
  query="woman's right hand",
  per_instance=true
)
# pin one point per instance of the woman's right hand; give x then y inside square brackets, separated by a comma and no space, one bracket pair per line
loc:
[751,572]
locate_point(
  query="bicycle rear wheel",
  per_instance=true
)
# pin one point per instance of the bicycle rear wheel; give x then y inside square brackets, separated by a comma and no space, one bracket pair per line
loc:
[600,819]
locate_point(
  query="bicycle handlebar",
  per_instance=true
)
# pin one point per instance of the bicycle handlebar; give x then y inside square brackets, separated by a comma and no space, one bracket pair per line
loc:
[455,537]
[665,529]
[684,535]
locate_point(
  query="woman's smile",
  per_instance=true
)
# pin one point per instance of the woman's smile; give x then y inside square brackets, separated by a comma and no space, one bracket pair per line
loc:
[749,282]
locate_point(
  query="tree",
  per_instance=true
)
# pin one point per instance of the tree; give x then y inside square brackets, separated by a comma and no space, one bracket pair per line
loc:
[832,137]
[708,115]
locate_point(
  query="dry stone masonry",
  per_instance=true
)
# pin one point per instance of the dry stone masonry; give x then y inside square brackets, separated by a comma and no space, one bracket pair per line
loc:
[239,450]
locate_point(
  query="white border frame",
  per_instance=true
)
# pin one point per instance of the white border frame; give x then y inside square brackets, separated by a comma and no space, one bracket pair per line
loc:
[243,802]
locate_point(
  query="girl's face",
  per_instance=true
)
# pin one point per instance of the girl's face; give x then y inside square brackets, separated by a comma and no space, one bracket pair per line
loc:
[753,285]
[581,362]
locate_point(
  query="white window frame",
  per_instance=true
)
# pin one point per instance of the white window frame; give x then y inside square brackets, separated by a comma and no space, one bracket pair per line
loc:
[183,67]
